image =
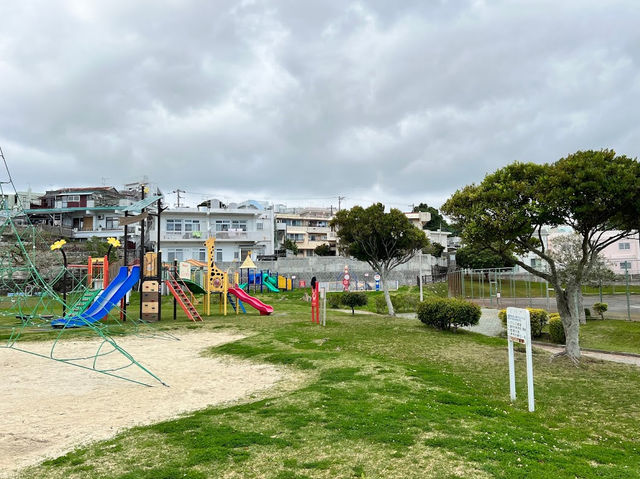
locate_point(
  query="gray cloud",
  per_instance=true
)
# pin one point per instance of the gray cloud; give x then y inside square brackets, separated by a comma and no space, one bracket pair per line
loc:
[399,102]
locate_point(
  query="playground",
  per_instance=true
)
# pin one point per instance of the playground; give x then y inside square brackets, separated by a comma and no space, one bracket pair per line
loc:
[51,409]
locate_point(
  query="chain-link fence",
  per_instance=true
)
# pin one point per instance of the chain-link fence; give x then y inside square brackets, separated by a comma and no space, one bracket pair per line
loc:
[503,287]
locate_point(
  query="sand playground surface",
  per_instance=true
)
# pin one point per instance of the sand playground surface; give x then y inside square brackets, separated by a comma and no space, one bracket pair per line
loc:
[50,408]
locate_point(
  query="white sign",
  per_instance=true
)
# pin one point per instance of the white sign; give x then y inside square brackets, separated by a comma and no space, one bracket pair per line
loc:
[377,277]
[519,331]
[184,270]
[346,276]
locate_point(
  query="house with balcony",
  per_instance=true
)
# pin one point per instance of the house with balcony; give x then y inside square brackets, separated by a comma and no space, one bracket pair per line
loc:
[238,228]
[82,212]
[308,228]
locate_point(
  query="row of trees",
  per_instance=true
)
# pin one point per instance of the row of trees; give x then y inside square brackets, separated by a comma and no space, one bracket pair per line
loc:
[592,192]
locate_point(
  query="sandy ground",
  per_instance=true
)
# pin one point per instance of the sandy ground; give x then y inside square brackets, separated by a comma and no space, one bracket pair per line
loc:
[49,408]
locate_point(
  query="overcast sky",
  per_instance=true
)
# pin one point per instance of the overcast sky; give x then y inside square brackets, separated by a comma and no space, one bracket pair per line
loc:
[304,101]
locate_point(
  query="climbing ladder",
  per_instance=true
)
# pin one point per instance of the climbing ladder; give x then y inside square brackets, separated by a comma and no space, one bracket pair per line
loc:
[233,304]
[183,300]
[83,303]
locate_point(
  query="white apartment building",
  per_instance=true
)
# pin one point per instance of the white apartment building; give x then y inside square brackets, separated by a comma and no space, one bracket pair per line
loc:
[308,228]
[237,228]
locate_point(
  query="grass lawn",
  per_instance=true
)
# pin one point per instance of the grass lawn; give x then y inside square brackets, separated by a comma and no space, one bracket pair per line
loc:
[611,335]
[384,397]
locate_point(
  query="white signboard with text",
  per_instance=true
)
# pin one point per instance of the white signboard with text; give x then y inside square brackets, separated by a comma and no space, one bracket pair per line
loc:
[519,331]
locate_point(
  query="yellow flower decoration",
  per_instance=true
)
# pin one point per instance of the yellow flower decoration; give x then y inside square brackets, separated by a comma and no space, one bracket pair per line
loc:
[113,242]
[58,244]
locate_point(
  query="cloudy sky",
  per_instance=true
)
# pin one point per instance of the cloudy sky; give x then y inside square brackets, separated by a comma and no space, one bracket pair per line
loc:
[304,101]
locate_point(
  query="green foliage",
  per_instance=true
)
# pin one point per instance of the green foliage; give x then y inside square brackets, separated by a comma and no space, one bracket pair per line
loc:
[323,250]
[98,247]
[437,220]
[600,308]
[333,300]
[291,246]
[556,329]
[538,319]
[589,191]
[435,249]
[354,299]
[480,258]
[384,240]
[442,313]
[587,313]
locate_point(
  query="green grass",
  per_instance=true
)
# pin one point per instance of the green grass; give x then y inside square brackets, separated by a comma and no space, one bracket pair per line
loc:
[611,335]
[385,397]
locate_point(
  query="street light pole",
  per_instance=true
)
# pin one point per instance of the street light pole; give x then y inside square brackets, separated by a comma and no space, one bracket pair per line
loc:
[420,280]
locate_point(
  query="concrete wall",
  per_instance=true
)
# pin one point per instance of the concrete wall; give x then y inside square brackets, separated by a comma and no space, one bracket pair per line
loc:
[331,268]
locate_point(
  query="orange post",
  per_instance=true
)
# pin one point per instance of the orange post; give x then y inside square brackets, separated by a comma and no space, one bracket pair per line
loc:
[105,272]
[90,274]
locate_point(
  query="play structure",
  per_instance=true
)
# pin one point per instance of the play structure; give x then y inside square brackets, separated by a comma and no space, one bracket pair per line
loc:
[218,282]
[261,279]
[31,280]
[318,303]
[183,291]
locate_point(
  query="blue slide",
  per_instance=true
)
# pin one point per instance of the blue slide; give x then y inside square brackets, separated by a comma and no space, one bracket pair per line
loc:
[105,302]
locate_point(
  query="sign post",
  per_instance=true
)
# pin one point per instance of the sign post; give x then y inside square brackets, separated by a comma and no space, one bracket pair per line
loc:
[519,331]
[376,278]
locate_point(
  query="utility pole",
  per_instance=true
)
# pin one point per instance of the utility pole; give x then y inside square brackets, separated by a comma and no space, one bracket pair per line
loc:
[177,192]
[340,198]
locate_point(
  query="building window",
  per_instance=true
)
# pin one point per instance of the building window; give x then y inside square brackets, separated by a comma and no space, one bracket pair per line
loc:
[259,225]
[111,223]
[174,226]
[625,265]
[536,262]
[624,245]
[202,255]
[223,225]
[191,225]
[239,225]
[219,255]
[175,254]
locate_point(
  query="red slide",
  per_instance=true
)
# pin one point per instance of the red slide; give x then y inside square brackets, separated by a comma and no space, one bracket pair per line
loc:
[264,309]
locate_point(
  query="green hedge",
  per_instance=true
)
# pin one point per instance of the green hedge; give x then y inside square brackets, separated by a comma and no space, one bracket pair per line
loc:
[539,318]
[556,329]
[600,308]
[443,313]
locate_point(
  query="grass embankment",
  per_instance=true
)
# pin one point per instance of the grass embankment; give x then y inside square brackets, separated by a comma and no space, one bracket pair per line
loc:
[611,335]
[385,398]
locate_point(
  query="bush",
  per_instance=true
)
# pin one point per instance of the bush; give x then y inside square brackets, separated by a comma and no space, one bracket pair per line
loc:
[333,300]
[539,318]
[354,299]
[442,313]
[556,329]
[601,308]
[587,313]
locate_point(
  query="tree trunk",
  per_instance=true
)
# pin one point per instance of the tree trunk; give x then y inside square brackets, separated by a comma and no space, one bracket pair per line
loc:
[579,304]
[569,313]
[385,288]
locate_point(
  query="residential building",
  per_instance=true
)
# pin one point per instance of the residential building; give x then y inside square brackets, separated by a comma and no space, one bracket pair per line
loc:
[86,212]
[419,219]
[308,228]
[20,200]
[623,255]
[237,228]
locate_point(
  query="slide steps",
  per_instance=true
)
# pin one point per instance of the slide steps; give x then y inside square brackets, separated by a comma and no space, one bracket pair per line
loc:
[183,300]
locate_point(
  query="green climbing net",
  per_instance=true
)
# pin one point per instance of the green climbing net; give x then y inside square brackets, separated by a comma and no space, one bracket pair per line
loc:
[31,278]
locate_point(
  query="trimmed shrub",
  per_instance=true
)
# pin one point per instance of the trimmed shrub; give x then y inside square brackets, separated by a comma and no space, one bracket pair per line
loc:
[333,300]
[600,308]
[442,313]
[539,318]
[354,299]
[587,313]
[556,329]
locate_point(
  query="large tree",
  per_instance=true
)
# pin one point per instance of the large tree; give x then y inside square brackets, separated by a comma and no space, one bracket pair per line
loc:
[384,240]
[593,192]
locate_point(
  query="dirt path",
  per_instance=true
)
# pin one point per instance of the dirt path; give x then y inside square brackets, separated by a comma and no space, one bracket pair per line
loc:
[49,408]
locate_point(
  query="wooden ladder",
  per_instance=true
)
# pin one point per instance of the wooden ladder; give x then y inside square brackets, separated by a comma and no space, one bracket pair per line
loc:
[183,300]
